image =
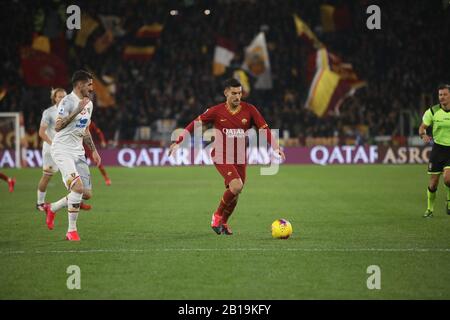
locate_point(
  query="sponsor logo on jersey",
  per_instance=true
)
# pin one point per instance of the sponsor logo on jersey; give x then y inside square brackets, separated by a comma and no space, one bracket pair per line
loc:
[234,133]
[82,123]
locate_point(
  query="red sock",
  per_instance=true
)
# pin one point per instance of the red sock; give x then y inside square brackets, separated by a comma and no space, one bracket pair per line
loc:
[3,177]
[227,212]
[103,171]
[227,199]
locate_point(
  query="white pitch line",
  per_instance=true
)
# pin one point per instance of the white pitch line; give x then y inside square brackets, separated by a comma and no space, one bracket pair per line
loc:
[12,252]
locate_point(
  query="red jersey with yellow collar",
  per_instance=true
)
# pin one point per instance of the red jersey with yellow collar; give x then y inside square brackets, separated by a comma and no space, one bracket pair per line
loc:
[231,130]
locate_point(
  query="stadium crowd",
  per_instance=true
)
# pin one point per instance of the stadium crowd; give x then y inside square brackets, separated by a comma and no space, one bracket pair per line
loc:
[402,63]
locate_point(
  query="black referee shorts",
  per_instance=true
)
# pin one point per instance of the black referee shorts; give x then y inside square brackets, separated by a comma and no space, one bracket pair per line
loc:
[439,159]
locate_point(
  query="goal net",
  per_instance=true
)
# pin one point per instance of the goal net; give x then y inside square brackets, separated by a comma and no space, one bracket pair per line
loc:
[10,135]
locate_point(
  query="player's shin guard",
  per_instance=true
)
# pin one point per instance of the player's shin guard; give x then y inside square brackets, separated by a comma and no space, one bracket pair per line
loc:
[431,196]
[73,203]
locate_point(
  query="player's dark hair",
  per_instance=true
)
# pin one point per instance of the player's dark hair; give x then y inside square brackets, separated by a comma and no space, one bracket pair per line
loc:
[81,75]
[231,83]
[444,86]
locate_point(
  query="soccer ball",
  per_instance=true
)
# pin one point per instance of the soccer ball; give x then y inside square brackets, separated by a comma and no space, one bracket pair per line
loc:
[281,229]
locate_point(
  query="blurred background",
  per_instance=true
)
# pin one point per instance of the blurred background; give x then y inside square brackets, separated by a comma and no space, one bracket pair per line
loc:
[313,68]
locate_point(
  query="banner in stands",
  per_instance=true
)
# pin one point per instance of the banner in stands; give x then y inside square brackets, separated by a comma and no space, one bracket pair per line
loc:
[321,155]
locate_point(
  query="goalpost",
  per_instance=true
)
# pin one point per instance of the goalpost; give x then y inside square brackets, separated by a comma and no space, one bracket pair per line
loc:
[11,120]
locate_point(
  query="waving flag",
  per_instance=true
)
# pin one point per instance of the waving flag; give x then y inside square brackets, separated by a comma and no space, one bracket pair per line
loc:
[43,69]
[332,81]
[143,45]
[257,62]
[223,54]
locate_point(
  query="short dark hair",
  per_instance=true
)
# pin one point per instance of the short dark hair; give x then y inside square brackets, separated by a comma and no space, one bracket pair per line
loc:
[81,75]
[231,83]
[443,86]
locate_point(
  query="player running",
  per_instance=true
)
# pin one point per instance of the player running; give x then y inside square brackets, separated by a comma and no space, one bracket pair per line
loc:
[74,114]
[10,181]
[231,118]
[101,137]
[438,116]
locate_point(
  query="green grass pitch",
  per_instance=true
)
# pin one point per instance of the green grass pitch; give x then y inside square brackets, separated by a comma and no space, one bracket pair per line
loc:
[148,236]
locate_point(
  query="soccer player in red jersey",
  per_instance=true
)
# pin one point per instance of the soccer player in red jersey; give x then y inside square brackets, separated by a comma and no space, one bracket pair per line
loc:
[101,137]
[11,181]
[231,120]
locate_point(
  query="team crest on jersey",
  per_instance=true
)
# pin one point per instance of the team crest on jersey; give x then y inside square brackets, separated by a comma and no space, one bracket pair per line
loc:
[244,121]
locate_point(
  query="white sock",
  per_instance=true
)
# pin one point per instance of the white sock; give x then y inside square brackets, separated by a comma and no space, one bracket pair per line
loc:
[41,196]
[73,203]
[58,205]
[72,221]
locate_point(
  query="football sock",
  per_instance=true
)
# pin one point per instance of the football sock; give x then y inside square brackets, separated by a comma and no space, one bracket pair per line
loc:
[41,196]
[226,200]
[3,177]
[228,211]
[73,204]
[431,196]
[58,205]
[103,171]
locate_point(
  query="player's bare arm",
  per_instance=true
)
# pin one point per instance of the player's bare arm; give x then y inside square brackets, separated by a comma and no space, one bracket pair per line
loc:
[173,148]
[87,140]
[423,133]
[44,135]
[62,122]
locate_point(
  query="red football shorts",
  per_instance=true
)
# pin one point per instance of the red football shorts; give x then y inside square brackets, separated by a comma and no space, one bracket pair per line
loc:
[231,171]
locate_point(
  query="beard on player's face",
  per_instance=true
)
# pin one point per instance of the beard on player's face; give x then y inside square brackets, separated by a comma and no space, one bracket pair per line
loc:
[234,101]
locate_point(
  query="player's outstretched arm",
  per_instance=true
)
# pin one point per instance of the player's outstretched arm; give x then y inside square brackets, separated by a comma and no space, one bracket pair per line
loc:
[62,122]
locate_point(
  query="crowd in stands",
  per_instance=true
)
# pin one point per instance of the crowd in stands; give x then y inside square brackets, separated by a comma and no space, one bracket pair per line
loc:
[402,63]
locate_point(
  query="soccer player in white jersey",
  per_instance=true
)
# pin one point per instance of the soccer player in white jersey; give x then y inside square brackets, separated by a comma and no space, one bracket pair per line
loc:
[72,123]
[47,132]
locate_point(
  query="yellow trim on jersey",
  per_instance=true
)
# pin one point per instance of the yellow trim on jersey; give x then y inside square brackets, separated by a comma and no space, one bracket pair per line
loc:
[435,172]
[238,109]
